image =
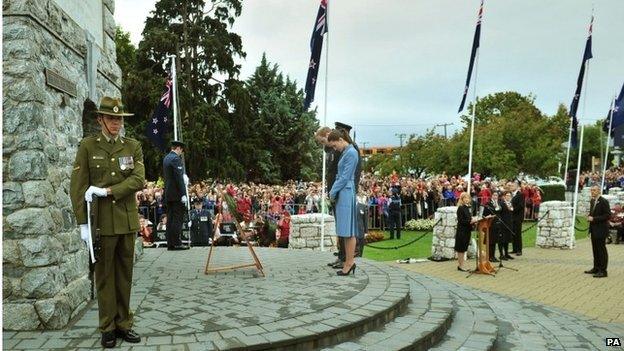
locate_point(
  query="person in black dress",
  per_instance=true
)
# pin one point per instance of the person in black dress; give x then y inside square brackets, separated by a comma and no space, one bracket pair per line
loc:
[507,226]
[494,208]
[464,229]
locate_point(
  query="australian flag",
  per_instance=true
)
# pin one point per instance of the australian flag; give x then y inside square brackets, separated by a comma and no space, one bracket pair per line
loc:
[475,45]
[159,125]
[316,46]
[579,84]
[616,113]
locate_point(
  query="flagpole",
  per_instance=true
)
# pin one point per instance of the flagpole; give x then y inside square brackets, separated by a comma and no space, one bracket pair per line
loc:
[578,174]
[565,171]
[324,190]
[174,78]
[472,122]
[606,157]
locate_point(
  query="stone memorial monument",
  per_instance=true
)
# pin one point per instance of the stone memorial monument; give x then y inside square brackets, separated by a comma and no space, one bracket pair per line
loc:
[305,232]
[57,53]
[443,242]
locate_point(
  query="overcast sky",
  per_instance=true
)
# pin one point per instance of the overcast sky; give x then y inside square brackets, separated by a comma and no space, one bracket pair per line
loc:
[399,66]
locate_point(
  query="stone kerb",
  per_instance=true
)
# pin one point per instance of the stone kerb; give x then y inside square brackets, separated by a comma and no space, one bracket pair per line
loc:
[443,241]
[555,229]
[305,232]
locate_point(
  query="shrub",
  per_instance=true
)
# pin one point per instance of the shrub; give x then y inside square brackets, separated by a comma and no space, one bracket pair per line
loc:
[553,192]
[373,236]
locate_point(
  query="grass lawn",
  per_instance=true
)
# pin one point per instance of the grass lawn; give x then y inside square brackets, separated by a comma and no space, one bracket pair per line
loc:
[422,248]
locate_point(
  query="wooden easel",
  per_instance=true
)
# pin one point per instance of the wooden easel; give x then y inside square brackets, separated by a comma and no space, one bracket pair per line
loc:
[256,263]
[483,255]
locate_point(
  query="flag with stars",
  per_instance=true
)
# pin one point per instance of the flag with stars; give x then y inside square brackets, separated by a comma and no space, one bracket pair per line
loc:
[579,84]
[159,124]
[316,46]
[616,113]
[473,54]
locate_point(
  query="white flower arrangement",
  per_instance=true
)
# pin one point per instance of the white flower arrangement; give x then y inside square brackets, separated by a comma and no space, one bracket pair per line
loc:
[419,224]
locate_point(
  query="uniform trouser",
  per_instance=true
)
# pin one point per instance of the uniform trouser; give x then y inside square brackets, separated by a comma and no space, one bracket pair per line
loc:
[359,246]
[599,249]
[394,223]
[516,243]
[342,254]
[175,218]
[113,281]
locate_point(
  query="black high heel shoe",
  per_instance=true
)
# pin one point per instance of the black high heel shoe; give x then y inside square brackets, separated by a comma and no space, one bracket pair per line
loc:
[352,269]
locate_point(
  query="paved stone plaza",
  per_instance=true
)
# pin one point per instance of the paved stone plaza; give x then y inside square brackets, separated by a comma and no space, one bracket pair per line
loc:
[552,277]
[301,304]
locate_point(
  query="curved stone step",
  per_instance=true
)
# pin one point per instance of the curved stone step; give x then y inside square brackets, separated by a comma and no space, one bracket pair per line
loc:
[521,325]
[425,322]
[474,325]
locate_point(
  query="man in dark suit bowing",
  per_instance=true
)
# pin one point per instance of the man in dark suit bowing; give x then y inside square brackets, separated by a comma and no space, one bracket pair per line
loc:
[175,195]
[599,213]
[517,202]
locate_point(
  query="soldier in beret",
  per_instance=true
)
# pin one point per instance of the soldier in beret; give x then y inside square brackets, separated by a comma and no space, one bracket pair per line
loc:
[109,169]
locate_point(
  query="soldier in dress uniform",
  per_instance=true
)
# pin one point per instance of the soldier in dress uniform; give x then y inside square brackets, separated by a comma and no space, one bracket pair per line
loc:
[110,167]
[175,195]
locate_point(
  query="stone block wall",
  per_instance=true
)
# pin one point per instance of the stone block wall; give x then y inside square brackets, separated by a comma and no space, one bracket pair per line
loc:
[443,242]
[305,232]
[582,204]
[555,229]
[45,263]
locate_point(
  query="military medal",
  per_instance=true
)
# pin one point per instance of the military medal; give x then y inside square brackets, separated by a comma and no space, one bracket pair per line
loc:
[126,162]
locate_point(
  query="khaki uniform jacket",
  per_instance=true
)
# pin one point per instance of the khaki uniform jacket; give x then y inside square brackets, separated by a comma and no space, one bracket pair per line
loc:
[118,166]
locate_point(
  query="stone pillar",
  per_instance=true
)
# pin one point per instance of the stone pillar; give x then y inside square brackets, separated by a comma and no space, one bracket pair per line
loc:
[555,229]
[443,242]
[45,263]
[582,204]
[305,232]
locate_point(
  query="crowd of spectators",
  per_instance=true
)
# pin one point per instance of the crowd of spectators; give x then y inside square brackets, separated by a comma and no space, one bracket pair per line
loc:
[420,197]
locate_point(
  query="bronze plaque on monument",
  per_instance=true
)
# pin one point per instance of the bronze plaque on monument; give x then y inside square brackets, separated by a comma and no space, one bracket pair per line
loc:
[56,81]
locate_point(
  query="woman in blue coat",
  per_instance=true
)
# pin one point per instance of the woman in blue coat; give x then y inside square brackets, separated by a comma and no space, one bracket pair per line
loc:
[343,193]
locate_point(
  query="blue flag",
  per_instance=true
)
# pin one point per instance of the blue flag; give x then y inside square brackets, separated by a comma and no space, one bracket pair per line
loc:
[159,124]
[579,84]
[616,113]
[473,53]
[316,46]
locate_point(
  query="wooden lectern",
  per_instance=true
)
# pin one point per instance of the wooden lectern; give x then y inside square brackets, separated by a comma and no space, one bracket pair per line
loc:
[483,255]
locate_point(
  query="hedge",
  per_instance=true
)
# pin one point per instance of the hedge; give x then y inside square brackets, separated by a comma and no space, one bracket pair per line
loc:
[553,192]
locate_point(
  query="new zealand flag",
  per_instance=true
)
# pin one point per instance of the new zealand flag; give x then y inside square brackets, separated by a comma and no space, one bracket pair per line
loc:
[579,84]
[316,46]
[159,125]
[616,113]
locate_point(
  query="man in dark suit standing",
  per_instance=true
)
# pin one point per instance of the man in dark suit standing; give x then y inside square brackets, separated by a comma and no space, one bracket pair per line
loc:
[599,213]
[175,195]
[517,202]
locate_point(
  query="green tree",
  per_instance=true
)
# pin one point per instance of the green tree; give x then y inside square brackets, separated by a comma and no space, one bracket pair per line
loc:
[198,32]
[280,130]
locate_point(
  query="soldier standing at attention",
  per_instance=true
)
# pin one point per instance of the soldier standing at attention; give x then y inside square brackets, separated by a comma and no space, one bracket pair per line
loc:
[175,195]
[110,167]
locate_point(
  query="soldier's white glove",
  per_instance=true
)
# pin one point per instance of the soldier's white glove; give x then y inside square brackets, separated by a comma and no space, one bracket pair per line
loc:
[183,199]
[84,232]
[190,223]
[94,190]
[186,179]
